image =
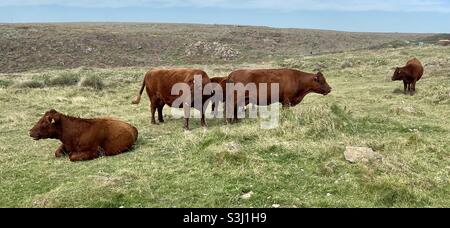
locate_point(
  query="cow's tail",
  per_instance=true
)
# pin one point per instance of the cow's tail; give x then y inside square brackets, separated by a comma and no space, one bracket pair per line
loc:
[137,99]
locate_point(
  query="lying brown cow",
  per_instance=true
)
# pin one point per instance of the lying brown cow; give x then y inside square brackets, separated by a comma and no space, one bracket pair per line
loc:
[159,83]
[218,82]
[85,139]
[409,74]
[294,85]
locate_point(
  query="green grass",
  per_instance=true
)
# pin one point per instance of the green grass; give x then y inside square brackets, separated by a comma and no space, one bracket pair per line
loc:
[65,79]
[299,164]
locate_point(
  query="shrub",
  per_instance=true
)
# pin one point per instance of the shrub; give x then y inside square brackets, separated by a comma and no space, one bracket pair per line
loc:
[5,83]
[65,79]
[30,84]
[292,63]
[94,82]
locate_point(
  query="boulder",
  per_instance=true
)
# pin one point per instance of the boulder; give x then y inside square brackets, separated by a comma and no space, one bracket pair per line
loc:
[361,154]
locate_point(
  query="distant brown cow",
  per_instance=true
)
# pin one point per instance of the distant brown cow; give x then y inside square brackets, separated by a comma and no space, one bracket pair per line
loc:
[409,74]
[220,82]
[85,139]
[159,83]
[294,85]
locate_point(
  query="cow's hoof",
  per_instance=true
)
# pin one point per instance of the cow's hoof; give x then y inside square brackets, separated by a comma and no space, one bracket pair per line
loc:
[59,153]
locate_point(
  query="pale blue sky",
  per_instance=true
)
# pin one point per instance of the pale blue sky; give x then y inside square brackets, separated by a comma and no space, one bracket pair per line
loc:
[348,15]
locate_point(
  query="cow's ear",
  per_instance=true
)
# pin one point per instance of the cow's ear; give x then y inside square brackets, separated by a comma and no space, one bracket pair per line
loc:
[57,118]
[54,119]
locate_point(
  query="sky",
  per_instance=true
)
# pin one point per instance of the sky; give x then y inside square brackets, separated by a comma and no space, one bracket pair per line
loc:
[416,16]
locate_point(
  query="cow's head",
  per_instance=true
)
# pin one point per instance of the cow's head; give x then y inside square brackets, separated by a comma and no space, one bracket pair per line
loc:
[399,74]
[47,127]
[320,85]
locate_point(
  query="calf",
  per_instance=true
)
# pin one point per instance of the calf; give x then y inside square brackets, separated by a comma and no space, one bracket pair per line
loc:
[409,74]
[85,139]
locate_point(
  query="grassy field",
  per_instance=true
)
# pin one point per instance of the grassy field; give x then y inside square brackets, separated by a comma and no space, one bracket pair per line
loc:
[299,164]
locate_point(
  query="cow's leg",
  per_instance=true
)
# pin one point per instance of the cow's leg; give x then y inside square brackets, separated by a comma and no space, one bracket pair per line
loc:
[214,109]
[153,107]
[203,111]
[286,104]
[413,87]
[236,114]
[187,114]
[203,121]
[225,119]
[406,86]
[61,151]
[160,113]
[229,112]
[84,156]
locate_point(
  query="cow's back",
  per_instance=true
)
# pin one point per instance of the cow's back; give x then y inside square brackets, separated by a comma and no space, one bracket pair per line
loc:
[217,80]
[286,79]
[416,68]
[159,82]
[118,135]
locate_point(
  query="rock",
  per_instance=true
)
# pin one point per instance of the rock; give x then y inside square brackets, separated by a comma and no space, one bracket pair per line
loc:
[276,205]
[233,147]
[361,154]
[407,109]
[40,203]
[346,64]
[247,195]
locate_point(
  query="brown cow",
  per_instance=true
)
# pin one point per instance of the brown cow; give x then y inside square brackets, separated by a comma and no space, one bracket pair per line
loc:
[409,74]
[218,82]
[159,83]
[85,139]
[294,85]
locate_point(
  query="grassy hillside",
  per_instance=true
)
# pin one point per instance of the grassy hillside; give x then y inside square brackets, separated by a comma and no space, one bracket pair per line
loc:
[299,164]
[62,46]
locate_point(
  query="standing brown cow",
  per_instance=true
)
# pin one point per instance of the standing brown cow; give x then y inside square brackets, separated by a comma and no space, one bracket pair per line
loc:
[409,74]
[85,139]
[294,85]
[159,84]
